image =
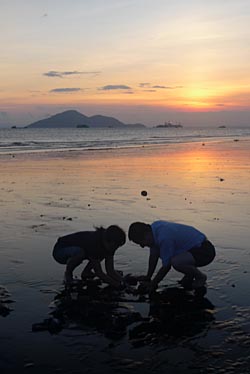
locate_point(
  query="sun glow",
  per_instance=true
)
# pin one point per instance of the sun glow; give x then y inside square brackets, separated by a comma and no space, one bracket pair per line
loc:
[198,98]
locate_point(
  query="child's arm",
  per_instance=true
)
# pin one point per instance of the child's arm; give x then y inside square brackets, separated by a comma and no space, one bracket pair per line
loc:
[104,277]
[109,265]
[152,262]
[72,263]
[159,276]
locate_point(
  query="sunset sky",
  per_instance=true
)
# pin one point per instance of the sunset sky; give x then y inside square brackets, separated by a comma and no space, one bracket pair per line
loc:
[145,61]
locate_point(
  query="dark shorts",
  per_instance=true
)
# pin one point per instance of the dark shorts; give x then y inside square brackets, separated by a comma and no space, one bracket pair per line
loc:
[62,254]
[203,255]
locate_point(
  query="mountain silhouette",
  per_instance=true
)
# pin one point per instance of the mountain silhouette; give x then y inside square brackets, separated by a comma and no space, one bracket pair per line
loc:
[73,118]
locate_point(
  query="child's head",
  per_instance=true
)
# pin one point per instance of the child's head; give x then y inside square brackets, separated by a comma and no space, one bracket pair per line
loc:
[141,233]
[114,237]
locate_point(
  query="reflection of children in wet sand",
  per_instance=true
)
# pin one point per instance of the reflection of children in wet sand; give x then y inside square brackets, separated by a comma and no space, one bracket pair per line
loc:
[93,246]
[179,246]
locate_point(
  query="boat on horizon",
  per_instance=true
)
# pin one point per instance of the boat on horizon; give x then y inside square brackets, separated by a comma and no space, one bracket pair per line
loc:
[170,125]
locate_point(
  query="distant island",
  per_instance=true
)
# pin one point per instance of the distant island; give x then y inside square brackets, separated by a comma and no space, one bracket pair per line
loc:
[169,125]
[75,119]
[82,126]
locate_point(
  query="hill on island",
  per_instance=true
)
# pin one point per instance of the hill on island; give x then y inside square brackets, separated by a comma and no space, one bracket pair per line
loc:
[73,118]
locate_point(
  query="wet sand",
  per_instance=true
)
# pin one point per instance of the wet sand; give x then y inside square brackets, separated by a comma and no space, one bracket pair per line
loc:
[46,195]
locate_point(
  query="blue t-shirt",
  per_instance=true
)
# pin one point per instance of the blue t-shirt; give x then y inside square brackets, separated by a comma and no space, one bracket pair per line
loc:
[171,238]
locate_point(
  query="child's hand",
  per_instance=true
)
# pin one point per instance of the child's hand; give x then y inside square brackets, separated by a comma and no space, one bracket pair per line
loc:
[151,288]
[147,287]
[124,286]
[129,289]
[121,286]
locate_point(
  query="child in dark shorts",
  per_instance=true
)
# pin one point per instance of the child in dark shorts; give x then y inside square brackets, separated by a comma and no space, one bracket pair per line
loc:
[179,246]
[93,246]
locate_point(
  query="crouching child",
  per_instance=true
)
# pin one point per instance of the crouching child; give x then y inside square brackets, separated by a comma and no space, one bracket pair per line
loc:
[182,247]
[94,247]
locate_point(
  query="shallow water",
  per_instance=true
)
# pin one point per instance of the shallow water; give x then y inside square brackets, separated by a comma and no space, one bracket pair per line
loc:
[32,140]
[44,197]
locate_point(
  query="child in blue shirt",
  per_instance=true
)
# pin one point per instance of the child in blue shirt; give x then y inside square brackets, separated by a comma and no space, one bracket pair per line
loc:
[179,246]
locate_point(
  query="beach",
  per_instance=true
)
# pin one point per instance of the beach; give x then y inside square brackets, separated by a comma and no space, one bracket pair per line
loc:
[44,195]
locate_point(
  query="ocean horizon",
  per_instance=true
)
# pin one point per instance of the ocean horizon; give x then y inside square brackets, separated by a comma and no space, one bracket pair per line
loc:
[32,140]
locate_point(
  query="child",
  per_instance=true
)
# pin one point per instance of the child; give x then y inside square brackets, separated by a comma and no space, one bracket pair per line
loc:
[93,246]
[181,246]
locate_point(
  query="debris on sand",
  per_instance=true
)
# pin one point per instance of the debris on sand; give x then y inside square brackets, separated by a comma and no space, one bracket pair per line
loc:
[4,301]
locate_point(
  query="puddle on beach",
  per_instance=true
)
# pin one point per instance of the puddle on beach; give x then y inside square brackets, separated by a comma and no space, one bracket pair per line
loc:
[93,328]
[127,321]
[175,329]
[171,313]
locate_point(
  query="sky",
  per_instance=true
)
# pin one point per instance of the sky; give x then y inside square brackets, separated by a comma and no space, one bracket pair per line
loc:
[146,61]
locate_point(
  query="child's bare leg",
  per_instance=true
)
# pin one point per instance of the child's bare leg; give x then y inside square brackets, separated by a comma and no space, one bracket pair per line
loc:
[87,273]
[185,263]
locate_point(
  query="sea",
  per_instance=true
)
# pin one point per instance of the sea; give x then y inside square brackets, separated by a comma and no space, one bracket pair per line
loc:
[36,140]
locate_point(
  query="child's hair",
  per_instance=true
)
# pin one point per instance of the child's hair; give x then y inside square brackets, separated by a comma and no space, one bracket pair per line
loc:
[115,235]
[137,231]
